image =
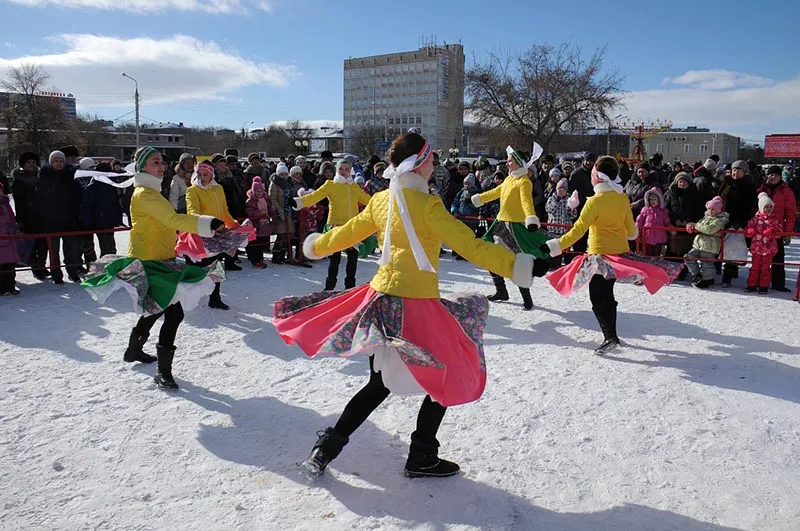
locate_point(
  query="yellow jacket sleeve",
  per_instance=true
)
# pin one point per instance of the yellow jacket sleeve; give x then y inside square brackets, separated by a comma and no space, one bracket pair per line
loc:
[631,227]
[158,208]
[192,201]
[585,220]
[491,195]
[363,197]
[314,197]
[317,246]
[462,240]
[526,197]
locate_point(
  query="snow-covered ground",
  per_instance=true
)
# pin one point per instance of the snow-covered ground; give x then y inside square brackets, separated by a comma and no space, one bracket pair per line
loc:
[695,425]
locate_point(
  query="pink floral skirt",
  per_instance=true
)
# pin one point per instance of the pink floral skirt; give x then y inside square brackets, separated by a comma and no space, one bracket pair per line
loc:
[652,273]
[227,241]
[433,346]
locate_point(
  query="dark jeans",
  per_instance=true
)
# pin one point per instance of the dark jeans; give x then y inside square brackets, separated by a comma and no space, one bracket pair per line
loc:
[72,256]
[38,258]
[173,316]
[87,248]
[8,277]
[372,395]
[350,269]
[108,245]
[779,271]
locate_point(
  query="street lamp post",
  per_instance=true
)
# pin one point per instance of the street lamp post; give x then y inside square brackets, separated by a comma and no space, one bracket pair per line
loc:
[244,133]
[610,128]
[136,101]
[453,153]
[302,147]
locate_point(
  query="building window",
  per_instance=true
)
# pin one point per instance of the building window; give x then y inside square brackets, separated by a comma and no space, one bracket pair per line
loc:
[687,149]
[405,120]
[660,148]
[391,121]
[419,120]
[703,149]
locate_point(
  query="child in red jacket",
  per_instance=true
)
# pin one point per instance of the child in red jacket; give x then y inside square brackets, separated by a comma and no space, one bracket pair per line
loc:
[764,229]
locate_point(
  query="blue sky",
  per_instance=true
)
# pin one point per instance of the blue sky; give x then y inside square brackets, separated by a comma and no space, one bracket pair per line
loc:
[225,62]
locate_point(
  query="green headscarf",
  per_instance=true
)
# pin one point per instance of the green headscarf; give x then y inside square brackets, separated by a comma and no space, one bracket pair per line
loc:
[141,157]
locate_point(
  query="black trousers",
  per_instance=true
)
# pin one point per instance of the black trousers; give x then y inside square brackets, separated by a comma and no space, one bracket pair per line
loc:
[38,258]
[779,271]
[108,245]
[72,256]
[604,305]
[173,316]
[429,418]
[350,269]
[8,277]
[256,248]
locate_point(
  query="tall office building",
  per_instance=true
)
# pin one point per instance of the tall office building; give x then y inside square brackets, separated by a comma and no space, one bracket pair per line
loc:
[394,92]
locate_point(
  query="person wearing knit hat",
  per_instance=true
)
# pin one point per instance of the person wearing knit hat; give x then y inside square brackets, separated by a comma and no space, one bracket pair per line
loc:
[463,209]
[253,157]
[765,231]
[56,155]
[28,156]
[258,213]
[707,243]
[25,179]
[295,171]
[377,183]
[608,218]
[168,287]
[217,158]
[740,196]
[181,181]
[343,196]
[416,342]
[516,226]
[560,213]
[786,212]
[87,163]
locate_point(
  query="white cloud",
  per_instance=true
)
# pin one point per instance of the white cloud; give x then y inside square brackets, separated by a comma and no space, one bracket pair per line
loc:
[174,69]
[752,110]
[156,6]
[718,80]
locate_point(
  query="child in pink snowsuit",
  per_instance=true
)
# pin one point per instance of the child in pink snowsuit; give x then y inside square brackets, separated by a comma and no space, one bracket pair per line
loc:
[764,229]
[654,214]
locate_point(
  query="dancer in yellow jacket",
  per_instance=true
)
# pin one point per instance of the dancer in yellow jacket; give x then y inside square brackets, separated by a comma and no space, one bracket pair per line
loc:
[343,196]
[516,226]
[417,341]
[607,216]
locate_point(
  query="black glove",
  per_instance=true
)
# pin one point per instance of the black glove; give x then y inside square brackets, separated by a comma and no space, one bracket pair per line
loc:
[540,267]
[533,227]
[217,224]
[545,249]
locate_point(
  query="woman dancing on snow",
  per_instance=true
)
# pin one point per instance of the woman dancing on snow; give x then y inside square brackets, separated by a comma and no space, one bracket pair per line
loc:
[516,226]
[159,284]
[344,196]
[608,218]
[417,342]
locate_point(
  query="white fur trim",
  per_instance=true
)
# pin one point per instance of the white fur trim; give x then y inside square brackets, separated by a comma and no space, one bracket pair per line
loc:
[523,270]
[308,246]
[148,181]
[343,180]
[476,200]
[555,247]
[635,233]
[204,226]
[532,220]
[412,180]
[298,203]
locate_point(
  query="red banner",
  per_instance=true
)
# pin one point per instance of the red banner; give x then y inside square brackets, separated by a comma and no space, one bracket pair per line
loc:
[782,146]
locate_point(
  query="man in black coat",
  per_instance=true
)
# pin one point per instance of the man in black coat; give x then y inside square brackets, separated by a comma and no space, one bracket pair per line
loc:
[101,209]
[26,176]
[581,180]
[740,197]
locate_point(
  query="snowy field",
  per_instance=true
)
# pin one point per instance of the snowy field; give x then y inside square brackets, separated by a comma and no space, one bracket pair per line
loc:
[694,426]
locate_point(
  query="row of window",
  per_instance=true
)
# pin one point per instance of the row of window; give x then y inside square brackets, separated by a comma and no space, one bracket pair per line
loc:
[385,70]
[150,138]
[688,149]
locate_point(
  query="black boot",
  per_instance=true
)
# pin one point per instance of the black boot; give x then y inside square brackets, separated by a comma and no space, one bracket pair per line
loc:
[607,319]
[349,283]
[527,301]
[163,377]
[330,284]
[134,351]
[278,257]
[328,446]
[215,302]
[423,460]
[501,293]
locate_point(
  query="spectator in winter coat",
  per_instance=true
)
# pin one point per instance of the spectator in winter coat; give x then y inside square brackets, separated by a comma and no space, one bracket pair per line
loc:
[258,214]
[58,201]
[581,180]
[560,210]
[281,194]
[254,169]
[23,190]
[706,244]
[684,206]
[440,174]
[181,181]
[654,214]
[8,248]
[462,205]
[232,184]
[786,212]
[765,230]
[101,209]
[704,179]
[637,187]
[377,183]
[660,173]
[741,203]
[554,177]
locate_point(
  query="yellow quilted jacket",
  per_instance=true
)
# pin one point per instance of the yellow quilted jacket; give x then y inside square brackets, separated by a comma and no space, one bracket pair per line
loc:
[608,218]
[208,201]
[433,225]
[516,199]
[155,222]
[343,199]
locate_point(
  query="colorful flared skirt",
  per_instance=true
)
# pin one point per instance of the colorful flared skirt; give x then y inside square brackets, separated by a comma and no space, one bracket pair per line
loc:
[224,241]
[432,346]
[364,248]
[652,273]
[152,284]
[517,238]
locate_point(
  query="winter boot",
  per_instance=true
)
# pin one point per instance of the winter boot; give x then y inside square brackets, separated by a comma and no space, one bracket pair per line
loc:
[607,319]
[750,289]
[349,283]
[423,460]
[328,446]
[763,291]
[215,302]
[163,377]
[501,293]
[134,351]
[527,301]
[278,257]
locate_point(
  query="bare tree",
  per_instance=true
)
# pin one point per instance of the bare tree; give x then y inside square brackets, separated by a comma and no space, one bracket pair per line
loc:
[362,140]
[536,94]
[37,121]
[297,130]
